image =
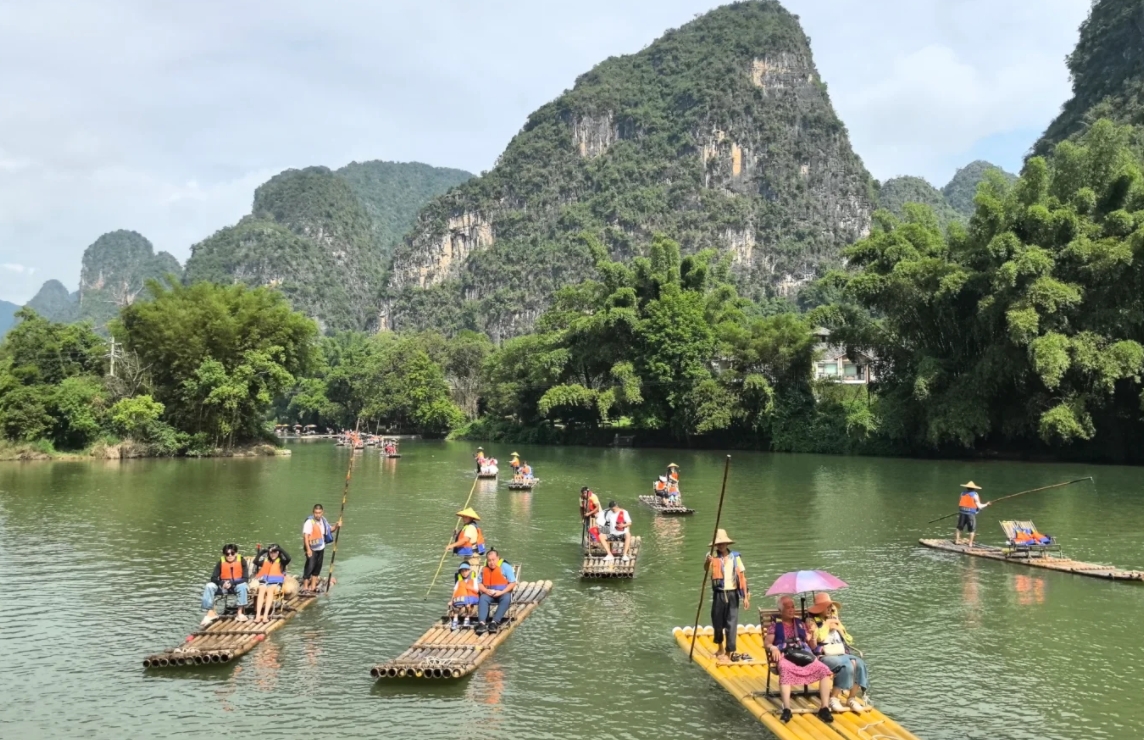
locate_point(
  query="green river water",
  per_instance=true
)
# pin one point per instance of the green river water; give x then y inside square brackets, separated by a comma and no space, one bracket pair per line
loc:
[106,561]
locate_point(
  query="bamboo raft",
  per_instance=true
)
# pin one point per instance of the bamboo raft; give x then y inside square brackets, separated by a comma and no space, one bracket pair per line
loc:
[749,684]
[523,485]
[595,566]
[224,639]
[1043,560]
[444,653]
[660,507]
[487,476]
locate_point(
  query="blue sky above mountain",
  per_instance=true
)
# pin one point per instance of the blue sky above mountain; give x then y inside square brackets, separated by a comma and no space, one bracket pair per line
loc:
[164,117]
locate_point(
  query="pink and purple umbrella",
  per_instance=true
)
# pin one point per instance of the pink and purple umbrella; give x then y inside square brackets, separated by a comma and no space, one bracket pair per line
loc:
[804,581]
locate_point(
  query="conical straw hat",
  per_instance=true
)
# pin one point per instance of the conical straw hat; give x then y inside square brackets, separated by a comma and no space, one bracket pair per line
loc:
[722,538]
[469,513]
[972,485]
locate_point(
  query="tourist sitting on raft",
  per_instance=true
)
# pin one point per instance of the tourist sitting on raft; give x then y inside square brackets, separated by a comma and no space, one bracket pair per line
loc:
[659,488]
[496,583]
[229,577]
[791,649]
[469,540]
[466,595]
[836,649]
[617,526]
[673,493]
[526,471]
[270,573]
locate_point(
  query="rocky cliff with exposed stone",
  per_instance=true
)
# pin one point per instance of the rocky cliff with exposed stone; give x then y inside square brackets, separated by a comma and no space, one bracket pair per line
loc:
[720,134]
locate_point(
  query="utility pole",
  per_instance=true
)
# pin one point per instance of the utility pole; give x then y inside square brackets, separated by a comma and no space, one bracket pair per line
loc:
[112,355]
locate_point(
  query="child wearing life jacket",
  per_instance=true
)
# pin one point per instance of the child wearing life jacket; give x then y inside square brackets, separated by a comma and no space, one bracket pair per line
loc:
[466,595]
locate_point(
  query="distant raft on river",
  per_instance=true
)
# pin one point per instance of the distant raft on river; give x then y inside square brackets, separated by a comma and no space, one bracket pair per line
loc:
[1046,560]
[445,653]
[661,506]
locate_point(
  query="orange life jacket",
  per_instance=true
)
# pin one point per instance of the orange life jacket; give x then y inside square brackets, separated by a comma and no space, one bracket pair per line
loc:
[718,576]
[494,577]
[526,471]
[231,571]
[317,533]
[591,504]
[474,545]
[968,503]
[270,567]
[466,586]
[660,486]
[674,476]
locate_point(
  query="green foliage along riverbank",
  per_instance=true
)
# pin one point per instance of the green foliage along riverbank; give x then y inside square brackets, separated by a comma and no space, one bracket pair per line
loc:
[1021,333]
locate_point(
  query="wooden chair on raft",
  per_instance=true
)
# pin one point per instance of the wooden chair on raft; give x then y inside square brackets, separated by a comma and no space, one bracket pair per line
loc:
[1014,548]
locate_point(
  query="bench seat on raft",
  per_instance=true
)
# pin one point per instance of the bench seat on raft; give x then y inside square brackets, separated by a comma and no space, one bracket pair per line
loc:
[1026,549]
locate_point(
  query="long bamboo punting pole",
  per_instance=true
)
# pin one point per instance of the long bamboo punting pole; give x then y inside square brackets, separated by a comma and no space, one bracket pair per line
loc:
[706,564]
[446,553]
[341,514]
[1014,495]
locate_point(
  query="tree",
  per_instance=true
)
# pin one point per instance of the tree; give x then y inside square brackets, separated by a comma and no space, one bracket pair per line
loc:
[218,355]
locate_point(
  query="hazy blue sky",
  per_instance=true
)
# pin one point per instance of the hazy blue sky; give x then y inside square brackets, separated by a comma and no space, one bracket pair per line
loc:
[163,117]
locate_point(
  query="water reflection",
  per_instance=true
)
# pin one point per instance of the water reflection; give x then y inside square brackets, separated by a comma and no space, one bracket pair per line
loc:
[971,594]
[1029,589]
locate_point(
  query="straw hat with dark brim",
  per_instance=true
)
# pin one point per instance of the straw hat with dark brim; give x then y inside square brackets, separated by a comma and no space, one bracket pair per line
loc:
[721,538]
[672,465]
[822,602]
[516,454]
[469,513]
[972,485]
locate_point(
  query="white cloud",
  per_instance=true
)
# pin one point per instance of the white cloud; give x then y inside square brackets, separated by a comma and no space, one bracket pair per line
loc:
[20,269]
[164,117]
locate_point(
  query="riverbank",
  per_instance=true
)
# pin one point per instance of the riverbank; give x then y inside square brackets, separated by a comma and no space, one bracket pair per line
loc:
[123,450]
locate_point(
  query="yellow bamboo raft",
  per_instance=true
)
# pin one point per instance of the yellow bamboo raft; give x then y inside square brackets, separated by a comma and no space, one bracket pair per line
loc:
[595,566]
[660,507]
[747,682]
[225,639]
[444,653]
[1043,560]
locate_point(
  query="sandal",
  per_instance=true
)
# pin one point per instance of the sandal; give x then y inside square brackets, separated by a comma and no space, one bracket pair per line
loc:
[786,715]
[740,658]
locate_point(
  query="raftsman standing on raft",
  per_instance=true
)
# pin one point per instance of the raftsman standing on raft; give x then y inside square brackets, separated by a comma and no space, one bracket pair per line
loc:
[968,506]
[728,585]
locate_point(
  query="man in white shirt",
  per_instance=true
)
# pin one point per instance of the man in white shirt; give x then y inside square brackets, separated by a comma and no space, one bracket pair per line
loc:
[617,525]
[315,532]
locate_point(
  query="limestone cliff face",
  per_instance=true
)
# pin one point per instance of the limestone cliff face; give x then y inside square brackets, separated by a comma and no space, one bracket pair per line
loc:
[115,270]
[720,135]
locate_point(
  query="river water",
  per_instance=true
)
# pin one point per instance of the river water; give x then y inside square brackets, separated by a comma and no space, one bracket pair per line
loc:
[107,559]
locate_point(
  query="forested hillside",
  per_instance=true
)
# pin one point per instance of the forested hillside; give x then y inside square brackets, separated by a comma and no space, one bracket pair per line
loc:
[1107,69]
[895,193]
[323,237]
[720,134]
[55,303]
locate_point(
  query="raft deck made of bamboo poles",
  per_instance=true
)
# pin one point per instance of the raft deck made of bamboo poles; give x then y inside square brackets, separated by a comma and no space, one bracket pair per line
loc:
[523,485]
[595,566]
[1044,560]
[487,476]
[445,653]
[226,639]
[655,502]
[748,682]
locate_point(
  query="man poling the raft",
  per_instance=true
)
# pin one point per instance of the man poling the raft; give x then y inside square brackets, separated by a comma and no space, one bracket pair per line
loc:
[316,534]
[468,540]
[729,586]
[968,506]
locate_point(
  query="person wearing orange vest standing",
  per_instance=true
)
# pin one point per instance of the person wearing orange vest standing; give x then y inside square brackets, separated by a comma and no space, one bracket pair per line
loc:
[967,507]
[469,540]
[270,572]
[229,576]
[618,524]
[316,534]
[729,585]
[466,594]
[496,584]
[673,473]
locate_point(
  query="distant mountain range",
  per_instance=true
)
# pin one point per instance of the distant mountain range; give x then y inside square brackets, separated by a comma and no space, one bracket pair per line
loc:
[954,202]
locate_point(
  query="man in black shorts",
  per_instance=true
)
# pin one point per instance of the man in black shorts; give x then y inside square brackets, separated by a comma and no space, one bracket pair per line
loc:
[968,506]
[316,532]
